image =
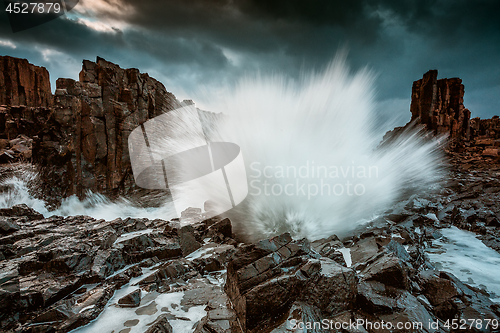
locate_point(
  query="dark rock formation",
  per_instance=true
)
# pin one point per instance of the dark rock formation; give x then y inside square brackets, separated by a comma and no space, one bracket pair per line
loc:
[131,300]
[439,105]
[23,83]
[80,134]
[59,273]
[160,325]
[265,279]
[87,146]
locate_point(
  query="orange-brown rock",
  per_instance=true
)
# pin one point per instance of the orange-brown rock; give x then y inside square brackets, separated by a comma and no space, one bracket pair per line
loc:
[80,133]
[94,117]
[439,105]
[23,83]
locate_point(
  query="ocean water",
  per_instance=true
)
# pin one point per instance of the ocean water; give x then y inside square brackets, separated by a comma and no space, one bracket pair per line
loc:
[463,254]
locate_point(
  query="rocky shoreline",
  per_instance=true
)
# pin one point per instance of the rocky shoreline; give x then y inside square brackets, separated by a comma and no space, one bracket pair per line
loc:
[60,273]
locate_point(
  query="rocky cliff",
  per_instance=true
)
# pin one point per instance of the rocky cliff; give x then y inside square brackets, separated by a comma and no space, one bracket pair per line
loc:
[23,83]
[80,134]
[95,116]
[438,104]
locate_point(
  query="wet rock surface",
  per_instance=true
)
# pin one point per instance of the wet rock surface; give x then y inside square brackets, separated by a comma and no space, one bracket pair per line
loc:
[189,274]
[60,273]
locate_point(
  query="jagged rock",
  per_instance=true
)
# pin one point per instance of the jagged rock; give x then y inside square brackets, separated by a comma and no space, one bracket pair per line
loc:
[80,134]
[10,295]
[220,316]
[21,210]
[69,314]
[131,300]
[106,262]
[4,144]
[374,296]
[167,272]
[332,289]
[412,312]
[329,248]
[388,269]
[8,225]
[439,105]
[438,290]
[214,258]
[398,250]
[364,249]
[222,227]
[493,152]
[6,156]
[266,278]
[188,240]
[23,83]
[50,272]
[453,299]
[301,313]
[160,325]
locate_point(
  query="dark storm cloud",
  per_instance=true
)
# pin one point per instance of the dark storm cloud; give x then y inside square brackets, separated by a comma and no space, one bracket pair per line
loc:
[312,31]
[196,42]
[139,47]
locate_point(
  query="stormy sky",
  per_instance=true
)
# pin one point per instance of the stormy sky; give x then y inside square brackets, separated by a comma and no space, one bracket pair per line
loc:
[188,44]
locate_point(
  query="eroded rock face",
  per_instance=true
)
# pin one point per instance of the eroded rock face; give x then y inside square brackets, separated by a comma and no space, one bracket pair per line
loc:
[23,83]
[160,325]
[265,279]
[92,119]
[78,137]
[61,273]
[439,105]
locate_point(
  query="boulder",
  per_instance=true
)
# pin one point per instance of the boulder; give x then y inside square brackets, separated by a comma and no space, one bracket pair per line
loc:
[21,210]
[130,300]
[265,279]
[439,105]
[388,269]
[80,134]
[188,240]
[8,225]
[492,152]
[332,289]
